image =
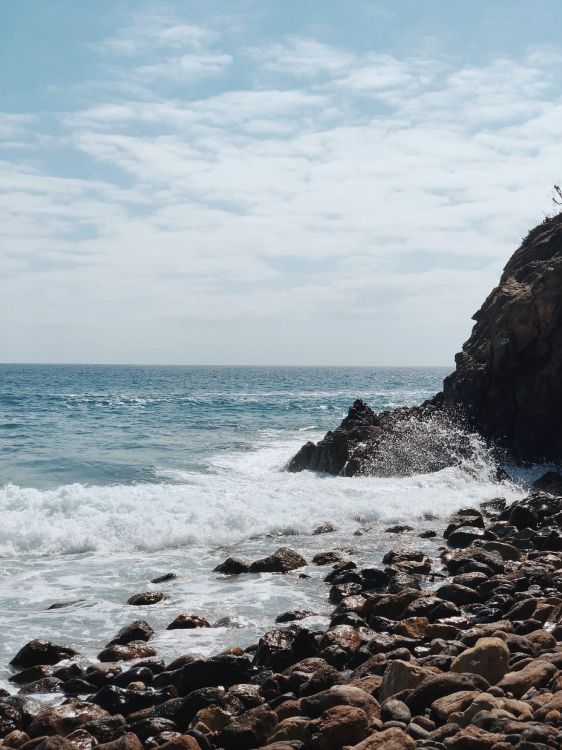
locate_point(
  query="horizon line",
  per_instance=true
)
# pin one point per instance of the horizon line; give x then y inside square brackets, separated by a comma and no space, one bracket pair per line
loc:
[158,364]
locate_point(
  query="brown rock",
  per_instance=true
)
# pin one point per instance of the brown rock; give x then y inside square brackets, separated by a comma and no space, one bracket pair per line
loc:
[390,739]
[402,675]
[66,718]
[489,658]
[340,695]
[249,730]
[535,675]
[132,650]
[128,741]
[183,742]
[139,630]
[338,726]
[48,743]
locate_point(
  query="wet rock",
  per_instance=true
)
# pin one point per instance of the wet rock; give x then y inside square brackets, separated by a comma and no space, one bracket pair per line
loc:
[454,592]
[398,529]
[464,536]
[146,598]
[42,652]
[338,726]
[48,743]
[183,742]
[64,604]
[44,685]
[489,658]
[165,578]
[102,674]
[294,614]
[340,695]
[326,528]
[551,482]
[282,560]
[118,700]
[389,739]
[374,579]
[10,719]
[106,728]
[327,558]
[188,622]
[223,669]
[127,652]
[428,534]
[249,730]
[139,630]
[278,649]
[128,741]
[81,739]
[66,718]
[232,566]
[31,674]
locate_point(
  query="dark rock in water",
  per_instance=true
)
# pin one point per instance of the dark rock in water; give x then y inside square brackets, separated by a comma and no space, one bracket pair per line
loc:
[41,652]
[166,577]
[65,718]
[139,630]
[281,561]
[188,622]
[146,598]
[126,652]
[464,536]
[327,558]
[429,534]
[294,614]
[232,566]
[398,529]
[43,685]
[326,528]
[550,482]
[62,605]
[31,674]
[506,385]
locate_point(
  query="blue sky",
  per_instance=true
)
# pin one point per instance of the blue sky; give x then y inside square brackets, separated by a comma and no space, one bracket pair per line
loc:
[273,182]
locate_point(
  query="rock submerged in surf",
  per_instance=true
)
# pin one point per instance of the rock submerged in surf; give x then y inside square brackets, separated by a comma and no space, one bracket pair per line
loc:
[188,622]
[282,560]
[146,598]
[38,652]
[232,566]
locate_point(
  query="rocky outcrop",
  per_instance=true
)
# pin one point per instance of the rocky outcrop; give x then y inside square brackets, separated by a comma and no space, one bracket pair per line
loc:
[506,385]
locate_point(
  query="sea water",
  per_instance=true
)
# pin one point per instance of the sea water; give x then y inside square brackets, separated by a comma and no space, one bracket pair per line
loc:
[113,475]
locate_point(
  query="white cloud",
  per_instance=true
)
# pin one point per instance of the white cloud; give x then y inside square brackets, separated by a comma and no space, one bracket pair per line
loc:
[371,195]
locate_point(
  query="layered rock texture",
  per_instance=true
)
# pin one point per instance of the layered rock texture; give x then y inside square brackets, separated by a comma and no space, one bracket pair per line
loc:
[506,386]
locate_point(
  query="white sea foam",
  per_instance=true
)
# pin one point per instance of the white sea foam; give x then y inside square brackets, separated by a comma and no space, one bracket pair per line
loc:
[243,495]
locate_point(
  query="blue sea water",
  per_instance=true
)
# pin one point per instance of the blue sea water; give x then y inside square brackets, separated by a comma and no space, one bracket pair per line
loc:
[124,424]
[112,475]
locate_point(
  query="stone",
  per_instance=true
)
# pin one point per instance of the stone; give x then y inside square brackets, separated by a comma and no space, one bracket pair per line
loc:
[223,669]
[81,739]
[128,741]
[402,675]
[327,558]
[183,742]
[389,739]
[294,614]
[489,658]
[340,695]
[282,560]
[232,566]
[440,685]
[41,652]
[395,710]
[165,578]
[326,528]
[127,652]
[291,728]
[65,718]
[139,630]
[536,674]
[249,730]
[188,622]
[146,598]
[48,743]
[16,738]
[338,726]
[44,685]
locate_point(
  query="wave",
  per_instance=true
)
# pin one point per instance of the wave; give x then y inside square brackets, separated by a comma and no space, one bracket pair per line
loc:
[245,495]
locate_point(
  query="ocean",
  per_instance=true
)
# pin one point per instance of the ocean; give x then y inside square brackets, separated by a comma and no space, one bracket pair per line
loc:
[113,475]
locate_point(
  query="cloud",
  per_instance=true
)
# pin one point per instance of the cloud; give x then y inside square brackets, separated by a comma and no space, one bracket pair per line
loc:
[330,194]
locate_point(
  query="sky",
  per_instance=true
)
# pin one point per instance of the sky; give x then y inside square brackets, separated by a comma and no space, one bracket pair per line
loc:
[297,182]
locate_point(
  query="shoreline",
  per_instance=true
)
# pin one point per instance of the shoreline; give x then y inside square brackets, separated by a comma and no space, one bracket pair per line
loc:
[400,666]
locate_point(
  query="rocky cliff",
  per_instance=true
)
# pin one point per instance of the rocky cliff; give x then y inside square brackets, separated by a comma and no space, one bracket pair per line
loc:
[507,385]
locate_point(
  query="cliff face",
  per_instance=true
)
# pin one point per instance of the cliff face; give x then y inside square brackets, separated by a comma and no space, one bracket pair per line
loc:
[507,384]
[508,377]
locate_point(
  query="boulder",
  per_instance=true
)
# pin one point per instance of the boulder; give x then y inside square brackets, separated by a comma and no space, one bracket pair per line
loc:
[281,561]
[489,658]
[188,622]
[139,630]
[66,718]
[41,652]
[337,727]
[536,674]
[127,652]
[340,695]
[146,598]
[249,730]
[390,739]
[232,566]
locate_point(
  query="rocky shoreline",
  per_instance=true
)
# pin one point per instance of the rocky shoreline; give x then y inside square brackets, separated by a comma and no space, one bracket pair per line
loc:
[459,651]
